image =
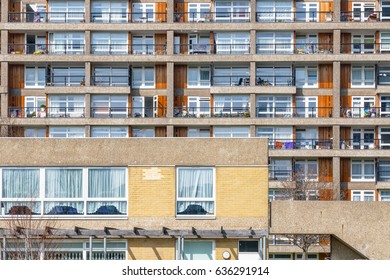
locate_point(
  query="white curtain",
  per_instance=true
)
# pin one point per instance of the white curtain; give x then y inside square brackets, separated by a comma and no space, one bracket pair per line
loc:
[20,183]
[106,183]
[106,207]
[64,183]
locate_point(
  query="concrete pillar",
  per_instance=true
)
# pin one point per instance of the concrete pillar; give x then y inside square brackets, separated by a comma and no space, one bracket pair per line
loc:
[4,41]
[87,101]
[170,42]
[252,102]
[336,136]
[4,89]
[87,11]
[252,131]
[336,41]
[336,10]
[3,131]
[252,73]
[4,11]
[170,10]
[170,89]
[253,42]
[87,49]
[170,131]
[336,178]
[4,105]
[336,89]
[87,131]
[88,75]
[253,11]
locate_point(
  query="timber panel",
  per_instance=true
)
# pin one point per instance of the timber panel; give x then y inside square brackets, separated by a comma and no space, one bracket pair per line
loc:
[180,101]
[324,8]
[161,76]
[161,10]
[325,168]
[16,43]
[345,76]
[161,43]
[181,131]
[325,41]
[346,40]
[180,76]
[345,175]
[162,106]
[325,104]
[181,9]
[160,131]
[16,76]
[325,78]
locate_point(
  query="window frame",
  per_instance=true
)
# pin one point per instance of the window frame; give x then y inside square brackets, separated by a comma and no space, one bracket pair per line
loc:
[66,106]
[381,197]
[306,163]
[362,175]
[229,8]
[67,131]
[363,82]
[362,194]
[144,11]
[232,42]
[231,131]
[213,244]
[274,42]
[109,133]
[143,83]
[306,81]
[274,12]
[37,83]
[199,83]
[272,109]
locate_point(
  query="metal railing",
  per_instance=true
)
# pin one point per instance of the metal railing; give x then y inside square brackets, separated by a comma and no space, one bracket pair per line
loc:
[293,112]
[383,175]
[212,17]
[364,16]
[365,112]
[301,48]
[46,112]
[41,17]
[128,112]
[119,81]
[286,16]
[194,48]
[279,80]
[364,144]
[46,48]
[368,47]
[238,80]
[211,112]
[383,78]
[61,81]
[143,49]
[299,144]
[280,174]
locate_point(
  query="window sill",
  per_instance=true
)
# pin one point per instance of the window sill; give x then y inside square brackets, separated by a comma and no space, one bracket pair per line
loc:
[66,217]
[198,217]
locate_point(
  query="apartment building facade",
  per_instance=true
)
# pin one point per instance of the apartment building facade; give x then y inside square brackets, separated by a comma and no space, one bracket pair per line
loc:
[312,76]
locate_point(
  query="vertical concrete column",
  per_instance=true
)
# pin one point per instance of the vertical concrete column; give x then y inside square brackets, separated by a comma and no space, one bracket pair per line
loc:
[170,89]
[336,177]
[4,10]
[252,102]
[4,105]
[252,73]
[252,131]
[336,10]
[336,136]
[3,131]
[87,11]
[87,131]
[87,42]
[4,90]
[336,41]
[170,131]
[87,101]
[4,41]
[170,42]
[170,10]
[88,75]
[253,42]
[253,11]
[336,89]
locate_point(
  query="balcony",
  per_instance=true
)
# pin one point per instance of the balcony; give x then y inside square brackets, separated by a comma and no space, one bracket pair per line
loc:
[287,16]
[369,47]
[147,17]
[44,17]
[108,81]
[302,48]
[65,81]
[365,112]
[275,81]
[211,112]
[293,112]
[197,17]
[364,16]
[138,49]
[228,81]
[128,112]
[301,144]
[46,112]
[365,144]
[38,49]
[280,174]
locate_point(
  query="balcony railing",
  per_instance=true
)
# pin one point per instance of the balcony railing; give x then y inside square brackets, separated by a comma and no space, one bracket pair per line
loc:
[212,48]
[365,112]
[46,112]
[368,47]
[293,112]
[46,49]
[302,48]
[280,174]
[286,16]
[364,16]
[211,112]
[383,175]
[40,17]
[143,49]
[278,81]
[365,144]
[119,17]
[212,17]
[239,80]
[128,112]
[65,81]
[118,81]
[299,144]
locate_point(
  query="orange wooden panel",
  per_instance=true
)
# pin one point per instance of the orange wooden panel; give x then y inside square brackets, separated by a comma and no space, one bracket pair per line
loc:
[346,40]
[161,76]
[16,76]
[180,101]
[160,131]
[325,168]
[345,175]
[183,43]
[325,78]
[325,41]
[181,131]
[326,194]
[325,104]
[162,106]
[161,42]
[161,10]
[345,73]
[324,8]
[180,76]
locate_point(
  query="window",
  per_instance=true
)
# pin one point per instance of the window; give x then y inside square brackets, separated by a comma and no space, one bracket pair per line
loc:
[363,196]
[33,106]
[230,76]
[278,240]
[383,75]
[66,11]
[66,132]
[306,76]
[280,169]
[384,171]
[385,5]
[66,106]
[35,132]
[385,106]
[143,77]
[384,138]
[363,170]
[309,256]
[362,10]
[143,44]
[385,42]
[273,106]
[197,44]
[143,12]
[384,195]
[231,131]
[306,138]
[111,76]
[66,43]
[35,77]
[271,43]
[109,11]
[198,12]
[278,137]
[362,106]
[307,11]
[145,107]
[279,194]
[363,138]
[198,77]
[363,44]
[274,76]
[306,106]
[248,250]
[306,44]
[109,131]
[109,43]
[198,250]
[274,11]
[232,43]
[232,11]
[198,132]
[197,107]
[231,105]
[280,256]
[109,106]
[363,76]
[195,191]
[67,76]
[143,132]
[306,170]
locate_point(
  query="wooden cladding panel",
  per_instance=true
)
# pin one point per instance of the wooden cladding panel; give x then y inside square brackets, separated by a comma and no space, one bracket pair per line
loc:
[180,101]
[325,41]
[345,175]
[161,10]
[324,8]
[160,131]
[180,76]
[326,194]
[183,43]
[16,43]
[325,168]
[346,6]
[181,131]
[16,76]
[325,104]
[325,78]
[162,106]
[345,73]
[325,133]
[161,41]
[345,133]
[181,9]
[16,101]
[377,42]
[346,40]
[346,101]
[161,76]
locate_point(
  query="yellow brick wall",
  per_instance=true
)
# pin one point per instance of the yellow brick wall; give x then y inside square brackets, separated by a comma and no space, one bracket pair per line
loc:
[151,249]
[242,192]
[230,245]
[152,191]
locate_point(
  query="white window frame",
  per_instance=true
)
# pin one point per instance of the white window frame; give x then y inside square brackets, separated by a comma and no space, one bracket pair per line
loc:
[306,138]
[35,132]
[110,11]
[231,132]
[72,106]
[363,43]
[198,83]
[232,42]
[143,83]
[249,255]
[306,43]
[384,195]
[310,11]
[281,170]
[383,167]
[143,132]
[279,194]
[362,106]
[305,110]
[274,11]
[274,76]
[385,15]
[236,105]
[362,134]
[384,138]
[67,76]
[109,43]
[146,14]
[66,11]
[109,109]
[274,42]
[306,176]
[236,13]
[144,106]
[178,250]
[385,106]
[37,83]
[36,110]
[199,12]
[233,75]
[361,195]
[362,10]
[67,131]
[306,82]
[384,42]
[143,44]
[362,177]
[109,132]
[194,132]
[278,136]
[109,72]
[268,106]
[364,82]
[66,43]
